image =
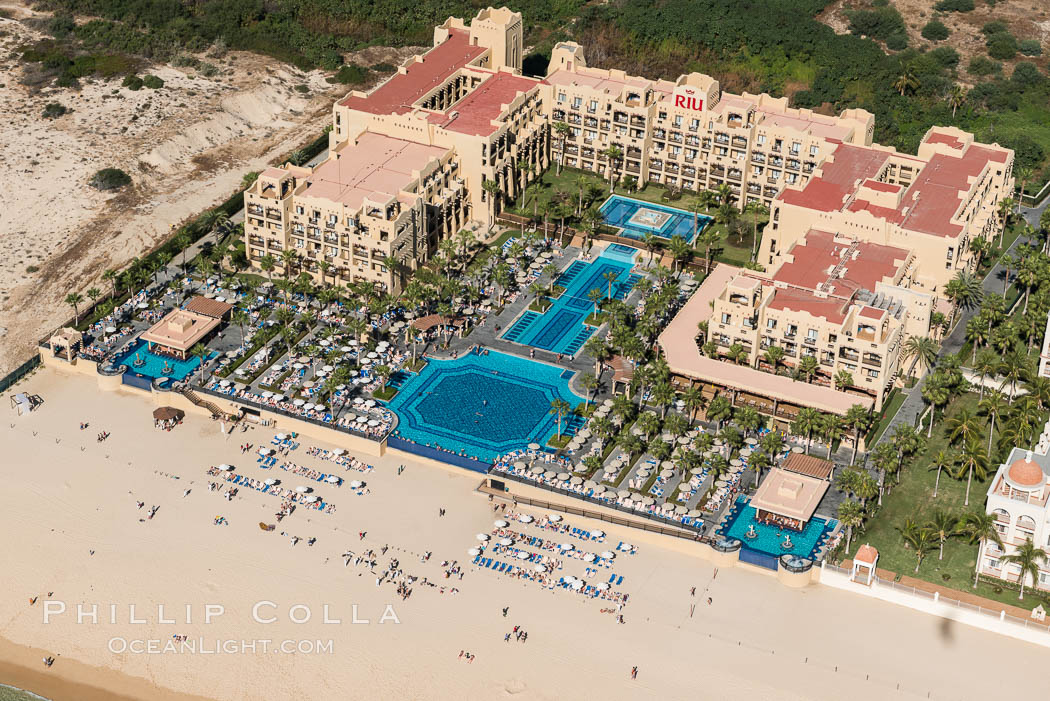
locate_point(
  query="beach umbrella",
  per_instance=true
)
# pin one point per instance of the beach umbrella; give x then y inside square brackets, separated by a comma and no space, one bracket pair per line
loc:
[625,547]
[539,568]
[567,547]
[683,441]
[361,419]
[167,413]
[648,501]
[597,534]
[506,541]
[608,554]
[697,471]
[239,372]
[537,469]
[600,489]
[579,467]
[373,422]
[370,403]
[482,537]
[225,468]
[666,473]
[522,555]
[111,329]
[298,366]
[270,482]
[608,403]
[550,474]
[473,552]
[751,441]
[563,476]
[736,462]
[278,397]
[357,484]
[554,517]
[637,497]
[264,451]
[281,436]
[308,406]
[667,438]
[519,465]
[525,518]
[577,585]
[602,586]
[499,524]
[637,431]
[224,383]
[577,480]
[589,557]
[693,513]
[331,479]
[310,499]
[746,452]
[302,490]
[298,402]
[359,400]
[796,449]
[679,509]
[267,394]
[534,446]
[623,494]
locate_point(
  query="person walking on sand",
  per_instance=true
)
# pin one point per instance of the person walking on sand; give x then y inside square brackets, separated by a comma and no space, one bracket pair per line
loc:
[634,672]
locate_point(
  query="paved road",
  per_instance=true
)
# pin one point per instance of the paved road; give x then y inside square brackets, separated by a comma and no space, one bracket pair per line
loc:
[913,405]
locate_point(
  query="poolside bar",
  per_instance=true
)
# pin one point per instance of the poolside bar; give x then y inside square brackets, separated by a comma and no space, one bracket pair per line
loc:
[177,333]
[788,499]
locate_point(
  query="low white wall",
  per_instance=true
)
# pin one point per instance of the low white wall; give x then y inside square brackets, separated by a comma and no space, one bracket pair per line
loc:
[838,580]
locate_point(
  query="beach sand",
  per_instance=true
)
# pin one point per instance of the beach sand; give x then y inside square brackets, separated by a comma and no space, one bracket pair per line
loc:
[65,494]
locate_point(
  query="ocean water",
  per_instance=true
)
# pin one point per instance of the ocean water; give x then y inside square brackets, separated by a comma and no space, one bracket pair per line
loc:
[10,693]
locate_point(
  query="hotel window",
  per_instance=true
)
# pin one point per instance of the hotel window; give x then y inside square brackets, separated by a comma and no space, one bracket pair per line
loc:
[761,139]
[576,102]
[872,373]
[678,121]
[795,147]
[811,335]
[771,323]
[592,106]
[299,209]
[662,115]
[813,150]
[951,251]
[675,150]
[726,319]
[993,563]
[561,97]
[591,134]
[791,178]
[690,153]
[694,124]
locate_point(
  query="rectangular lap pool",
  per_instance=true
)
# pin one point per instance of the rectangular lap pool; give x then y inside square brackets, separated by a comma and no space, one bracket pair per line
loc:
[636,218]
[561,329]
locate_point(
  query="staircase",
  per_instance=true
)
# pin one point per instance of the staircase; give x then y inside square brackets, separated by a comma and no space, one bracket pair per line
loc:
[844,260]
[196,400]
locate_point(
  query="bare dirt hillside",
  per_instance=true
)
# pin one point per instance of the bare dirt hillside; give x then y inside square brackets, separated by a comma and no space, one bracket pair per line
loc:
[1027,19]
[186,147]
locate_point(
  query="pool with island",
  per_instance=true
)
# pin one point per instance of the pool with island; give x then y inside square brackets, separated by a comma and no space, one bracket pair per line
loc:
[482,404]
[740,524]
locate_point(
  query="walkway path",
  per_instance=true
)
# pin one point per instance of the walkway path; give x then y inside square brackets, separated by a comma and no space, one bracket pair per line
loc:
[913,405]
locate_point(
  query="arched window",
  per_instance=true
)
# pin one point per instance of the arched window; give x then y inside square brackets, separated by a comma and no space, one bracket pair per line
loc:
[1001,515]
[1026,523]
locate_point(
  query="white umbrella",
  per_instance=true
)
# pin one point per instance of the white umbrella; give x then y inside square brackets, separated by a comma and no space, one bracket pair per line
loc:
[267,394]
[328,368]
[482,537]
[519,465]
[506,541]
[331,479]
[525,518]
[523,555]
[736,463]
[302,490]
[226,468]
[224,383]
[534,446]
[499,524]
[667,506]
[597,534]
[550,474]
[623,494]
[361,419]
[637,497]
[373,422]
[537,469]
[603,586]
[278,397]
[326,342]
[310,499]
[318,407]
[563,476]
[298,402]
[111,329]
[370,403]
[473,552]
[298,366]
[608,554]
[359,400]
[576,480]
[356,484]
[264,451]
[577,585]
[626,547]
[271,482]
[554,517]
[539,568]
[567,546]
[308,406]
[589,557]
[796,449]
[599,489]
[339,451]
[683,441]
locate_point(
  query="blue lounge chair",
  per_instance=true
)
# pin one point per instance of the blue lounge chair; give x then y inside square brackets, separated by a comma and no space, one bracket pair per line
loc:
[619,580]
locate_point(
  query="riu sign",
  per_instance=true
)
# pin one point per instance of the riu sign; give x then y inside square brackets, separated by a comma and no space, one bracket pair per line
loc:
[690,99]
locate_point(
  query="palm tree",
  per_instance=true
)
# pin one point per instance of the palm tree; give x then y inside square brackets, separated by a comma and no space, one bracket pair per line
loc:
[936,394]
[831,430]
[906,82]
[857,418]
[807,368]
[806,422]
[719,410]
[994,406]
[267,263]
[851,515]
[663,394]
[980,526]
[492,188]
[74,299]
[182,242]
[651,242]
[921,350]
[843,379]
[773,356]
[708,238]
[921,541]
[985,365]
[201,352]
[772,444]
[964,425]
[289,259]
[560,408]
[1028,558]
[610,277]
[596,348]
[974,460]
[613,155]
[680,250]
[964,291]
[110,276]
[756,209]
[956,97]
[590,383]
[939,462]
[759,461]
[944,525]
[562,130]
[693,398]
[1014,368]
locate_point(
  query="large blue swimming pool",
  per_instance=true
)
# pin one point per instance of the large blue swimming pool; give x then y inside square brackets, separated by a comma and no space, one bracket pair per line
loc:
[561,329]
[141,361]
[636,218]
[481,405]
[769,539]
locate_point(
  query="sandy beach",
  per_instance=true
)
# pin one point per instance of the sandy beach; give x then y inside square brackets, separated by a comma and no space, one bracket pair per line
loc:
[72,528]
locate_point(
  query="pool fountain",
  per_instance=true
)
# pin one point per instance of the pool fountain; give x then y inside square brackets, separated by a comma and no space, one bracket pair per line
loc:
[139,361]
[751,532]
[787,544]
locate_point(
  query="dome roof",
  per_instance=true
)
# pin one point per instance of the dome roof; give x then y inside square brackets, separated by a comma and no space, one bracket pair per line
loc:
[1026,473]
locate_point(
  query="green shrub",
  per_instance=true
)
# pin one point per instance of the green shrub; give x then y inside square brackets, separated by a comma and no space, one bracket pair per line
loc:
[302,88]
[935,31]
[208,70]
[994,27]
[54,110]
[954,6]
[1002,46]
[945,56]
[153,82]
[350,74]
[879,23]
[1030,47]
[383,67]
[132,82]
[897,42]
[32,268]
[979,65]
[109,179]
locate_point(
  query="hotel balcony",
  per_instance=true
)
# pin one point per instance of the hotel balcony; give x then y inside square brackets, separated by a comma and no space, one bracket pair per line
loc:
[273,213]
[255,209]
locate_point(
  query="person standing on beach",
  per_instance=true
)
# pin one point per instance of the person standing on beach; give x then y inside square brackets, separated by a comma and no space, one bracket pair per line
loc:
[634,672]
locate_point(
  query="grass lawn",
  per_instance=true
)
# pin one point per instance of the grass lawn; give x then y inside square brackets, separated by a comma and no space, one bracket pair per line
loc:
[913,498]
[386,393]
[889,410]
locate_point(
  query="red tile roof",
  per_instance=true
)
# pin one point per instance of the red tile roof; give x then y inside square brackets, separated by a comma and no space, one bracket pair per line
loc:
[942,138]
[818,253]
[872,312]
[477,110]
[882,187]
[832,309]
[828,192]
[396,95]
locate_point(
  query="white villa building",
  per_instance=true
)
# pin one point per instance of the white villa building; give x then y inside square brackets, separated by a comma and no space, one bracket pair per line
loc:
[1044,355]
[1018,498]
